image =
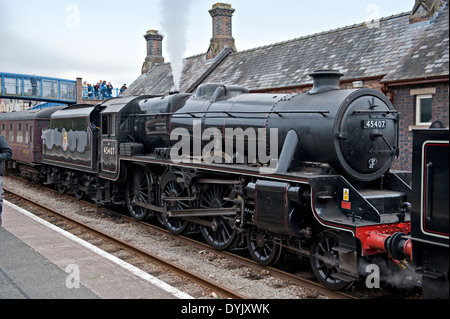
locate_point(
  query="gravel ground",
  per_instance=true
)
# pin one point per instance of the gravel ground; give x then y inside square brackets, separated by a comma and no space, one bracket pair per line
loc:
[254,285]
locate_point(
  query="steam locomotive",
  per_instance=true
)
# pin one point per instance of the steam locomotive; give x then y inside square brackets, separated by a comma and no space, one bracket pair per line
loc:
[307,173]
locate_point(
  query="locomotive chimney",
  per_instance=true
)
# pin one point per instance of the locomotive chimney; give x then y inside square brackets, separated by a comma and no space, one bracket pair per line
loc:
[221,14]
[154,50]
[325,80]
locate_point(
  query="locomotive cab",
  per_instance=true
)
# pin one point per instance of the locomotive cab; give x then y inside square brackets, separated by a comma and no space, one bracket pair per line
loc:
[116,134]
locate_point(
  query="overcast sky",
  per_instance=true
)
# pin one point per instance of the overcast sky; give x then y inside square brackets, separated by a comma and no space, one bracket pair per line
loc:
[104,39]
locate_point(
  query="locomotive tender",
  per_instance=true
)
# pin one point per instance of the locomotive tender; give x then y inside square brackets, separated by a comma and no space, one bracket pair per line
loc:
[324,191]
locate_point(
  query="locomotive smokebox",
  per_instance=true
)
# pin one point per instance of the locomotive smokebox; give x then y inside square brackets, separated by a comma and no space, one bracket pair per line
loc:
[325,80]
[354,131]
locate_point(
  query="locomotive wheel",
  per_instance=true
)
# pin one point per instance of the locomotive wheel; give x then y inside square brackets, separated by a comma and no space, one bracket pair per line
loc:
[62,189]
[138,189]
[171,188]
[80,195]
[222,235]
[59,177]
[262,247]
[325,260]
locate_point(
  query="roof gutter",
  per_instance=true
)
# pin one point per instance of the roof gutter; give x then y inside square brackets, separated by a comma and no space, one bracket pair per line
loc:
[416,81]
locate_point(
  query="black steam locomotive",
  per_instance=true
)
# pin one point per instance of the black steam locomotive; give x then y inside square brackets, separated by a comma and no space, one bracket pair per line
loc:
[306,172]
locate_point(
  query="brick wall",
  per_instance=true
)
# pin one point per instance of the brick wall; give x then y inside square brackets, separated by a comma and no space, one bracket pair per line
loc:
[405,103]
[154,42]
[80,99]
[222,25]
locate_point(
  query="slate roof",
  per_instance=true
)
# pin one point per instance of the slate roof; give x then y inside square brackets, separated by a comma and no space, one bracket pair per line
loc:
[391,49]
[158,80]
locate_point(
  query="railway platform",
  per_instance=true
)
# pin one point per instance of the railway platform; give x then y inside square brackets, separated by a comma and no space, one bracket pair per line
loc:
[41,261]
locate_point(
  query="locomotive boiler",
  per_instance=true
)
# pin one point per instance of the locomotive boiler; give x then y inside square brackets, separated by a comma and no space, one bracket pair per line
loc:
[355,132]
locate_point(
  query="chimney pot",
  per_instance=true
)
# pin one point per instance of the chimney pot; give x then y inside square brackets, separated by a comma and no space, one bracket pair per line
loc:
[221,14]
[154,50]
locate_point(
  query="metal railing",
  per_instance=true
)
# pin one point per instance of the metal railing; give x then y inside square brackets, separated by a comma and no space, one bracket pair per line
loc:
[90,93]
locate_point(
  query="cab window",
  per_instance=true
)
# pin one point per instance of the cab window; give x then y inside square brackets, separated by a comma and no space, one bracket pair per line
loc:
[109,124]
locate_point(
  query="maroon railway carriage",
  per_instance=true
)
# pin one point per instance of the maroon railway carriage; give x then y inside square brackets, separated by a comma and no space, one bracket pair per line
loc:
[23,131]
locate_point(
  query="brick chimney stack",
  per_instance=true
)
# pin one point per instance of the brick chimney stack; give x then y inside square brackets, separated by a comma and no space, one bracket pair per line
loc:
[221,14]
[154,50]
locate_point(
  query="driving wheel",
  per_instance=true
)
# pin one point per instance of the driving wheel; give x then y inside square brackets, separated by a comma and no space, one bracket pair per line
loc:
[172,189]
[138,190]
[221,234]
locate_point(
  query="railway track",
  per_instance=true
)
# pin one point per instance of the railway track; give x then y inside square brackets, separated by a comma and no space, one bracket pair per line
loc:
[253,265]
[218,289]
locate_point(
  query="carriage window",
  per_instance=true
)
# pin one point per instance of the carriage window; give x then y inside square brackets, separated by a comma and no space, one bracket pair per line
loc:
[11,133]
[27,134]
[19,133]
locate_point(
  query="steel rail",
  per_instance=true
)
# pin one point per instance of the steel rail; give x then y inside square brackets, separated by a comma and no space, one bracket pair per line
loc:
[303,282]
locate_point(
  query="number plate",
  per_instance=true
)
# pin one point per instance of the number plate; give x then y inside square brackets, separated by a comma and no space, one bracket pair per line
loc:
[374,124]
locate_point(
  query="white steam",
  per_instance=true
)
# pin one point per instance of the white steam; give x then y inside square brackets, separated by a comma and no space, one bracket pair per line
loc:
[174,15]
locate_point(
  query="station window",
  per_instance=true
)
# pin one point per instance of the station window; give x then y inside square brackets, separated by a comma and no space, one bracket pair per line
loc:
[32,87]
[424,109]
[13,86]
[50,89]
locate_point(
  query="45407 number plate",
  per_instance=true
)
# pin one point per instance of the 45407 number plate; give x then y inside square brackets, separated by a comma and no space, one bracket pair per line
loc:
[374,124]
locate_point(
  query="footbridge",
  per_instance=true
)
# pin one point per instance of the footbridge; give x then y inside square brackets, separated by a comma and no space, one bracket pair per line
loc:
[37,88]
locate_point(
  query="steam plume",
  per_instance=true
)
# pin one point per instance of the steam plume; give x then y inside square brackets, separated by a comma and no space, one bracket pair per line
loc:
[174,15]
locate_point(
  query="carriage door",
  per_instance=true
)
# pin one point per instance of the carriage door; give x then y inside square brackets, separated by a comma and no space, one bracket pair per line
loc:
[109,153]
